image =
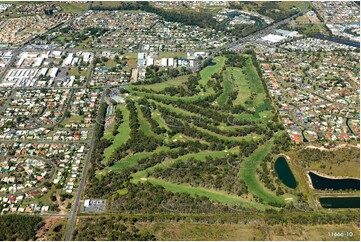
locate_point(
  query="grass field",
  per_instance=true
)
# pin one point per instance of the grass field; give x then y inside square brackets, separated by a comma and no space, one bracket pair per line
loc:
[172,54]
[255,230]
[207,72]
[144,125]
[256,86]
[242,84]
[76,72]
[218,196]
[201,156]
[76,119]
[132,160]
[249,176]
[122,136]
[178,81]
[227,87]
[73,7]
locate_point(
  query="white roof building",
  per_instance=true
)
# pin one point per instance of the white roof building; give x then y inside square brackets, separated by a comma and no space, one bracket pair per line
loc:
[53,72]
[164,62]
[170,62]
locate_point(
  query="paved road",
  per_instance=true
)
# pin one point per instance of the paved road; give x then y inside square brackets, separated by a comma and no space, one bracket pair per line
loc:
[6,104]
[71,223]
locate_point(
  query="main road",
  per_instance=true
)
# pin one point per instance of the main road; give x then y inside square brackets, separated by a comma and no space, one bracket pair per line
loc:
[74,211]
[256,35]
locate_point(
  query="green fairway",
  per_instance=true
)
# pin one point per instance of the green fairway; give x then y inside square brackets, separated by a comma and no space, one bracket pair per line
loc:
[199,97]
[122,136]
[227,87]
[250,73]
[133,159]
[248,137]
[178,81]
[201,156]
[160,121]
[144,125]
[218,196]
[249,175]
[243,86]
[207,72]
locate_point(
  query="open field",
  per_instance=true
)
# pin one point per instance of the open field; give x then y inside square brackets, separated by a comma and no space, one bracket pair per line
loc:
[250,228]
[342,162]
[253,231]
[178,81]
[76,8]
[172,54]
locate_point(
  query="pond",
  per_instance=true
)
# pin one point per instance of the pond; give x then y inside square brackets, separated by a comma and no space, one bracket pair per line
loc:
[322,183]
[340,202]
[284,172]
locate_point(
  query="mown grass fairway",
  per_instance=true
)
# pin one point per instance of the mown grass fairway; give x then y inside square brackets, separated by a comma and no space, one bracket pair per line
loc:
[178,81]
[212,194]
[227,87]
[215,67]
[122,136]
[249,175]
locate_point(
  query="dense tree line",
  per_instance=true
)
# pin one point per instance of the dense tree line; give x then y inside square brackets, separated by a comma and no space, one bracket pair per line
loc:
[111,229]
[18,227]
[216,174]
[269,9]
[235,60]
[308,156]
[137,142]
[118,120]
[152,199]
[207,124]
[146,108]
[311,218]
[156,75]
[188,89]
[201,19]
[267,176]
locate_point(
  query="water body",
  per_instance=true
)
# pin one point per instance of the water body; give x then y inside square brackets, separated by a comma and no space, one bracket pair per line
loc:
[348,31]
[340,202]
[322,183]
[337,40]
[303,135]
[260,23]
[284,172]
[348,126]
